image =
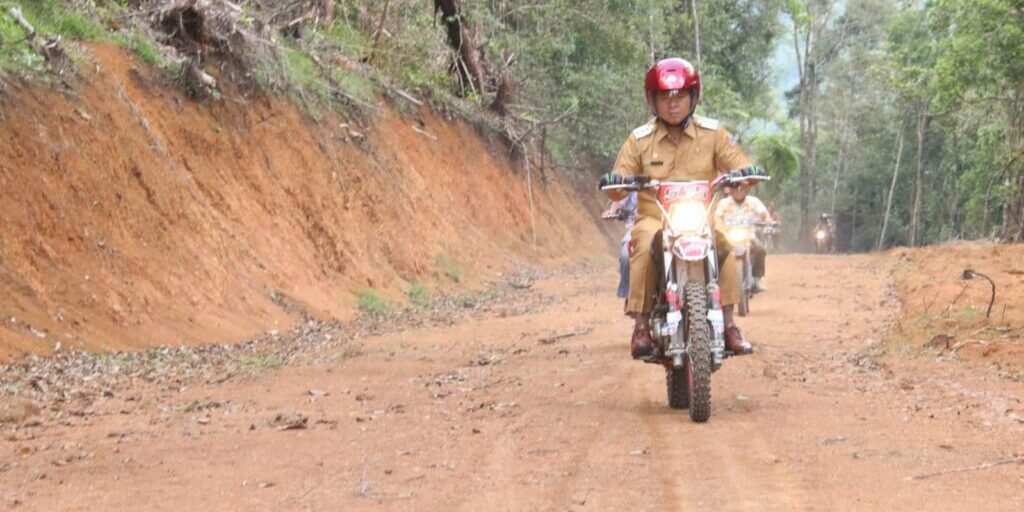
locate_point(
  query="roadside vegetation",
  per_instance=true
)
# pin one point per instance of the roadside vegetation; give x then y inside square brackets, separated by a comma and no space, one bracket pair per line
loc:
[903,119]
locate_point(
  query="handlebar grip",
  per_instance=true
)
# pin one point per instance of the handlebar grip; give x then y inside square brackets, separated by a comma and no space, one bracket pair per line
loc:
[636,180]
[631,183]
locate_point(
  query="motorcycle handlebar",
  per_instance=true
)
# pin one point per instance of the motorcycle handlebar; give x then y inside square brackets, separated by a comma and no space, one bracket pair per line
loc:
[633,183]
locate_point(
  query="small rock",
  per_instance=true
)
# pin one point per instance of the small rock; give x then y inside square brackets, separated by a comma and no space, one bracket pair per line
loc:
[317,393]
[289,421]
[16,410]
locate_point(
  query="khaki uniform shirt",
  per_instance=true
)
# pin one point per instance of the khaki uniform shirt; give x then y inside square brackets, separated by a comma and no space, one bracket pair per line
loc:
[731,213]
[704,151]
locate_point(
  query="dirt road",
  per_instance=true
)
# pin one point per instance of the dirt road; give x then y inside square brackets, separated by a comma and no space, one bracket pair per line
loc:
[543,410]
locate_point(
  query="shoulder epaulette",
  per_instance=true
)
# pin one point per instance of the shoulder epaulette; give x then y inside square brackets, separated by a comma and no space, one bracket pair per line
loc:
[707,122]
[643,130]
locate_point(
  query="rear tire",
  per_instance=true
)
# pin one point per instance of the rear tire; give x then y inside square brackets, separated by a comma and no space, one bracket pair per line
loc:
[698,367]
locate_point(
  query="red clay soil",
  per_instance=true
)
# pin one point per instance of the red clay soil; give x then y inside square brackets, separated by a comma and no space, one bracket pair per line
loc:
[945,316]
[134,216]
[543,409]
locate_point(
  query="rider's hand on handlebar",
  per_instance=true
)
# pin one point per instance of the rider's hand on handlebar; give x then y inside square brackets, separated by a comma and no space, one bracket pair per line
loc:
[610,178]
[746,173]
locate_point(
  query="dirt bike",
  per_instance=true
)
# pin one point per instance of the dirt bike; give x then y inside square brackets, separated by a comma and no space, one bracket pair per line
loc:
[687,325]
[824,241]
[741,236]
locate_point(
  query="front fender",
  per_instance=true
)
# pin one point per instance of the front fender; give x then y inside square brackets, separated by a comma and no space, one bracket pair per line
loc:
[693,248]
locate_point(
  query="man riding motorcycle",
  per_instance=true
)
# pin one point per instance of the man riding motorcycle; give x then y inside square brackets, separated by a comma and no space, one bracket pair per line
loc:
[743,209]
[824,233]
[675,145]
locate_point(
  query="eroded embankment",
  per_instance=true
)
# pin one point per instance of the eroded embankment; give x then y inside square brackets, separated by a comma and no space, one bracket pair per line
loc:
[952,317]
[133,216]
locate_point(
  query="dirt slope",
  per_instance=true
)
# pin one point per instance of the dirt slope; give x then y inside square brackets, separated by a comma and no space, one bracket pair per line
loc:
[948,317]
[536,406]
[133,216]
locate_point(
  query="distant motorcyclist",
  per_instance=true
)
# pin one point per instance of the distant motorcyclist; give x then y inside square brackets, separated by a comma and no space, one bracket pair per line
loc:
[675,145]
[824,233]
[742,209]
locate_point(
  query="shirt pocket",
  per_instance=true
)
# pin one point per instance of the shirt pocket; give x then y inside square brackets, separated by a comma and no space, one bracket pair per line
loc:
[656,169]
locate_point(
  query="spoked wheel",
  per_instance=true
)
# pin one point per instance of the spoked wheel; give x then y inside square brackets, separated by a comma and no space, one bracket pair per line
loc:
[698,365]
[678,384]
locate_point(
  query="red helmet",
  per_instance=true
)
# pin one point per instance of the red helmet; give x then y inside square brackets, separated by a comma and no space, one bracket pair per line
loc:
[671,75]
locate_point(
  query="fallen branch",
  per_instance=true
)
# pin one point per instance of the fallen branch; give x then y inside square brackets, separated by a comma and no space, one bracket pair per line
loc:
[15,13]
[579,332]
[987,465]
[956,299]
[963,344]
[49,47]
[409,97]
[335,89]
[424,133]
[301,19]
[200,76]
[537,124]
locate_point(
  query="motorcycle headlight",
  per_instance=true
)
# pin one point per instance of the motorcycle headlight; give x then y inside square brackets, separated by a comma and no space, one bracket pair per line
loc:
[821,235]
[688,216]
[738,235]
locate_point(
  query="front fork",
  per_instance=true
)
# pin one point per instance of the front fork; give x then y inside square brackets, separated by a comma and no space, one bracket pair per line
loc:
[715,314]
[677,273]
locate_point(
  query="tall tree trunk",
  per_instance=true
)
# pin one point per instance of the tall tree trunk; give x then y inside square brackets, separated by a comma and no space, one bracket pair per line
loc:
[1012,229]
[853,221]
[651,35]
[809,148]
[380,31]
[923,119]
[469,62]
[986,213]
[696,32]
[805,54]
[892,190]
[840,166]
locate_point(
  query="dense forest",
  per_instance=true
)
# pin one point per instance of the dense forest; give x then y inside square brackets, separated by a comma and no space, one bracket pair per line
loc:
[903,118]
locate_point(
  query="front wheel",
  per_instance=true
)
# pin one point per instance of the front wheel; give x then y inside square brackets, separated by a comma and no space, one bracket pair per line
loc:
[698,364]
[678,383]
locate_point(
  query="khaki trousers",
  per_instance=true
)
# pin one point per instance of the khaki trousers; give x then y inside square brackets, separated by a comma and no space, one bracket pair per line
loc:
[643,279]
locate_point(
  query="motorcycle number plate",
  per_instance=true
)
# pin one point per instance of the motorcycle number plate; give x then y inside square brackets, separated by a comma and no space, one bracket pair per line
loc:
[691,248]
[673,319]
[717,320]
